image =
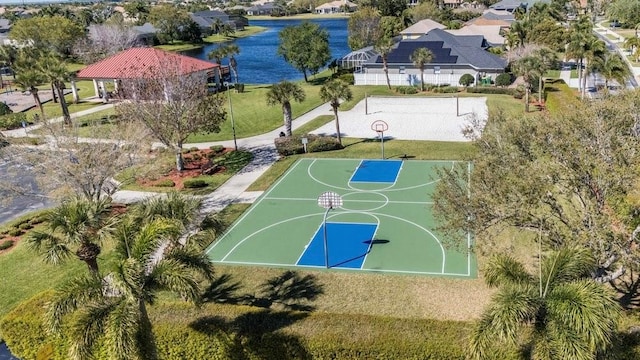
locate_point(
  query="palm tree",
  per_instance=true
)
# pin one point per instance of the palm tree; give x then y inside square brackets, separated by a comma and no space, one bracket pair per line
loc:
[383,47]
[421,57]
[579,35]
[174,205]
[332,92]
[558,313]
[232,51]
[282,93]
[115,308]
[546,59]
[76,226]
[217,54]
[612,67]
[55,71]
[28,80]
[527,67]
[595,50]
[216,26]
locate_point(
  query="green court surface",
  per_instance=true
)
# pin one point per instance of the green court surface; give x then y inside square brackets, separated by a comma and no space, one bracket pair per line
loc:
[284,227]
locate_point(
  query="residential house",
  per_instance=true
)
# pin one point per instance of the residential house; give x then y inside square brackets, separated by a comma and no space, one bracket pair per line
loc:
[264,9]
[206,20]
[453,4]
[453,56]
[146,33]
[491,33]
[420,28]
[512,5]
[493,17]
[337,6]
[5,26]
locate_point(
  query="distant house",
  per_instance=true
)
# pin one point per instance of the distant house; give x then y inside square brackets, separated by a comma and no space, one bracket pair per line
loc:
[420,28]
[334,7]
[491,33]
[493,17]
[145,33]
[512,5]
[206,20]
[454,56]
[453,3]
[264,9]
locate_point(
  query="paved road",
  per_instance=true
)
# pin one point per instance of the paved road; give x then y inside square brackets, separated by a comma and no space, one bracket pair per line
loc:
[14,206]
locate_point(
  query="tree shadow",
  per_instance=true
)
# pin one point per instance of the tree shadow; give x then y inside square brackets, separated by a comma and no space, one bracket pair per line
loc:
[287,291]
[628,289]
[256,335]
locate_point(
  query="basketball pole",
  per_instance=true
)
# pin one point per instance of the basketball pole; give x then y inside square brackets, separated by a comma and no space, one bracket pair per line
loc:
[366,105]
[457,105]
[324,233]
[382,143]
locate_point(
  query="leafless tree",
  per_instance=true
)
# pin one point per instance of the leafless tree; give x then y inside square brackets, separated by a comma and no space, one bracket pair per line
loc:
[173,102]
[64,163]
[104,40]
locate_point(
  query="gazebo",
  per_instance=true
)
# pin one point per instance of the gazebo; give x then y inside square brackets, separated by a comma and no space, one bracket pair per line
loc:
[140,63]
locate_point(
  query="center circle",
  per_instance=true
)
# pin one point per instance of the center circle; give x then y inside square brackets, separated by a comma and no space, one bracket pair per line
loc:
[364,201]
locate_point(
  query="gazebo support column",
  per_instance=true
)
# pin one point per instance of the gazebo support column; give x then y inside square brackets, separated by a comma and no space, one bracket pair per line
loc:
[74,91]
[105,94]
[95,88]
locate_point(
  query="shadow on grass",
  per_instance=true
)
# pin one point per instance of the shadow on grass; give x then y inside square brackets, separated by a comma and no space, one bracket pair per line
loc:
[287,291]
[257,334]
[628,289]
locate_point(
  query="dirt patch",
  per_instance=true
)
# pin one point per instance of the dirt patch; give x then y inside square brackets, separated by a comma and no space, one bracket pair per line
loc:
[196,163]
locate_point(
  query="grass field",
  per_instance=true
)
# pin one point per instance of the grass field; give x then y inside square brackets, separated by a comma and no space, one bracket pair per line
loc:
[248,31]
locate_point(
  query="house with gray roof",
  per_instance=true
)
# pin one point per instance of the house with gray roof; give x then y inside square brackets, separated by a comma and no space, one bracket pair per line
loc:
[512,5]
[267,8]
[206,19]
[453,56]
[145,33]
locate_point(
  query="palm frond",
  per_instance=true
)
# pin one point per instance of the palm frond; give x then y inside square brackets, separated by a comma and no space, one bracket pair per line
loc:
[512,309]
[89,325]
[69,297]
[173,206]
[505,270]
[53,248]
[566,265]
[121,331]
[150,236]
[587,309]
[192,258]
[173,276]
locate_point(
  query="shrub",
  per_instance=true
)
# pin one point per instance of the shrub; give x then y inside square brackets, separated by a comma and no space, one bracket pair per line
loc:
[407,90]
[324,143]
[25,226]
[5,109]
[15,232]
[194,183]
[446,89]
[196,157]
[466,80]
[12,121]
[217,148]
[490,90]
[165,183]
[5,244]
[347,78]
[504,79]
[518,92]
[289,145]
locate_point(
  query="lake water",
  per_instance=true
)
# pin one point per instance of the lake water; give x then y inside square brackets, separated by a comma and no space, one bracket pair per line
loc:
[5,354]
[258,61]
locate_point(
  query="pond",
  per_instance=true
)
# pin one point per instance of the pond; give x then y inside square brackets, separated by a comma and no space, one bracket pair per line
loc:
[258,61]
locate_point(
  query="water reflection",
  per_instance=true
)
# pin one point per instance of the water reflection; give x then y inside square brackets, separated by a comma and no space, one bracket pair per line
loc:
[258,61]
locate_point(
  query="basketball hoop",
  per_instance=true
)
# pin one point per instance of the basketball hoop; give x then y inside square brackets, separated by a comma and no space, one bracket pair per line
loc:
[328,200]
[380,127]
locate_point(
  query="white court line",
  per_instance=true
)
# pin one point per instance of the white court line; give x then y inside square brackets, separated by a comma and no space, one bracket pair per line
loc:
[370,242]
[350,269]
[308,244]
[255,205]
[364,201]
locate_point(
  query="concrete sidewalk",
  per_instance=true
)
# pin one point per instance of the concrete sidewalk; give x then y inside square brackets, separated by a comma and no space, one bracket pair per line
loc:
[234,190]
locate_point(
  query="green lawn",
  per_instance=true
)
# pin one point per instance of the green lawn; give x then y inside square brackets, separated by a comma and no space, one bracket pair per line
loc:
[248,31]
[24,274]
[554,74]
[179,46]
[52,110]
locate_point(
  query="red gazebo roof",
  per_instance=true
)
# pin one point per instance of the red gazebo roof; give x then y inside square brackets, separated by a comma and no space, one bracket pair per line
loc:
[142,62]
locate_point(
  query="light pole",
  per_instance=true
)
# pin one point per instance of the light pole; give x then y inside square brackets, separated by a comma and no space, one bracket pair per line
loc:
[233,124]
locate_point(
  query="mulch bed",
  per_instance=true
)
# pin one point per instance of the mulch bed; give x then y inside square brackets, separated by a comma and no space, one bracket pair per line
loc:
[196,163]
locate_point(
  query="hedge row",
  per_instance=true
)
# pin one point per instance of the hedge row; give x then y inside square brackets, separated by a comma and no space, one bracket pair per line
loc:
[217,331]
[290,145]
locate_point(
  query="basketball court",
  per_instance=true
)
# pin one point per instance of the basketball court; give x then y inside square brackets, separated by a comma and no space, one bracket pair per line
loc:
[350,215]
